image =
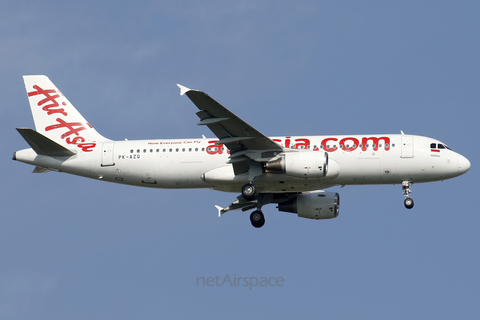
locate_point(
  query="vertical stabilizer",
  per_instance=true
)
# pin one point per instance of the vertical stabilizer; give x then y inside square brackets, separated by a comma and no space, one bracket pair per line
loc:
[56,118]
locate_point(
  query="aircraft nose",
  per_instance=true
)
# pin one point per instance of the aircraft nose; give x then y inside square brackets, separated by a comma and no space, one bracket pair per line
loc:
[463,164]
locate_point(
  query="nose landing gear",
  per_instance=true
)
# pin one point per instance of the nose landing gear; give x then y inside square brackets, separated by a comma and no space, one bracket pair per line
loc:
[406,192]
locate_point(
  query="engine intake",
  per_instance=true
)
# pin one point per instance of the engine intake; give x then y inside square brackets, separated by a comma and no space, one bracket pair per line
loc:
[321,205]
[306,164]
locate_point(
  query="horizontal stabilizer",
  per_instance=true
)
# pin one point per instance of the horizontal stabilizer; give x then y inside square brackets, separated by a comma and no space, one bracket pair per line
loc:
[43,145]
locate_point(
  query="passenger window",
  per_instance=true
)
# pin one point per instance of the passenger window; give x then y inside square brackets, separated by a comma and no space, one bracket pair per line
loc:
[183,150]
[196,149]
[151,150]
[144,150]
[169,150]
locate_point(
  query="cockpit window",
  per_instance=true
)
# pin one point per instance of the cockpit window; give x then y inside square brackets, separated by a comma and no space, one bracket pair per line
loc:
[439,146]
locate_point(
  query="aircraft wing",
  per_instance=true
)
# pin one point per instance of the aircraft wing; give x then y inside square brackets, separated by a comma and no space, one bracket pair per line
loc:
[244,142]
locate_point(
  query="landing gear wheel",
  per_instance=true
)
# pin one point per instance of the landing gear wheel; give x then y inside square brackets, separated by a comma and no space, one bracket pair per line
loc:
[257,218]
[408,203]
[406,192]
[249,192]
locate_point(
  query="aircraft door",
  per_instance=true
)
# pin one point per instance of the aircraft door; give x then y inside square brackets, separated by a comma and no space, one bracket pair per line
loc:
[407,146]
[107,154]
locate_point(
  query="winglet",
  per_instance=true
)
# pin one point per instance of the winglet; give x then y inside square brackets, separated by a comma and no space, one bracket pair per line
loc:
[220,211]
[183,89]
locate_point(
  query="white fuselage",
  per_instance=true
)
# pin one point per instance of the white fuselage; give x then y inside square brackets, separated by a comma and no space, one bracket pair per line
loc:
[199,163]
[289,171]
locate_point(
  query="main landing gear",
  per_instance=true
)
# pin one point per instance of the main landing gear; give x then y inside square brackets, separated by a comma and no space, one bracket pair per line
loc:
[249,193]
[406,192]
[257,218]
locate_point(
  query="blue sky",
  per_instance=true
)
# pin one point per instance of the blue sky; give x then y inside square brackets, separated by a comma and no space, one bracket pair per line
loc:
[74,248]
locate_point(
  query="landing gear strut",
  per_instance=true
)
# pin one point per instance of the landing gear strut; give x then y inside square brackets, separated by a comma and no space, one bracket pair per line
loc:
[256,217]
[249,193]
[406,192]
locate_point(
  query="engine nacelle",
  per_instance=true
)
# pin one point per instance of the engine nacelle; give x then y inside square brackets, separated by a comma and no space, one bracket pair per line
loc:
[321,205]
[302,164]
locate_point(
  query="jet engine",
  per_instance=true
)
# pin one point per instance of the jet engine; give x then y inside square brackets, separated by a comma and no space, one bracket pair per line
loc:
[320,205]
[306,164]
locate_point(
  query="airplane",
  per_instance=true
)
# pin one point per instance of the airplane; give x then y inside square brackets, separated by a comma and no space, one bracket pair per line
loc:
[291,171]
